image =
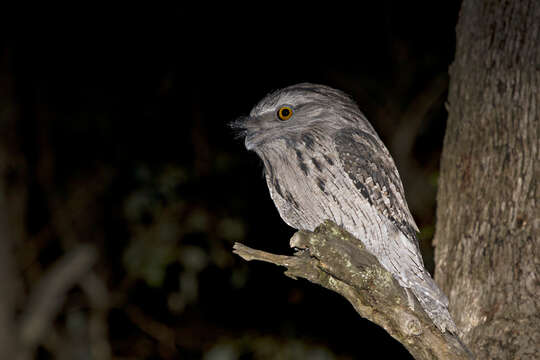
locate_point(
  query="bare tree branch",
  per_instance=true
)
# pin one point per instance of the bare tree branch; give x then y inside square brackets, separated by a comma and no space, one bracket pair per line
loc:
[47,296]
[332,258]
[98,297]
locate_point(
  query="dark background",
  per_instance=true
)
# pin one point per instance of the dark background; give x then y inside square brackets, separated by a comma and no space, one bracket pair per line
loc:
[124,130]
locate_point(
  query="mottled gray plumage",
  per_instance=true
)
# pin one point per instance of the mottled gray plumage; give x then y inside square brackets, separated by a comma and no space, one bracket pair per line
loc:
[327,162]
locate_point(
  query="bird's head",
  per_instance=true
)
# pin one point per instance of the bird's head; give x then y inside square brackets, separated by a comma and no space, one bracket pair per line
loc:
[297,110]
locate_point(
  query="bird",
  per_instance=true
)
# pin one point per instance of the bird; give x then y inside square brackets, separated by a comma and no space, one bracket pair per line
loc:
[323,160]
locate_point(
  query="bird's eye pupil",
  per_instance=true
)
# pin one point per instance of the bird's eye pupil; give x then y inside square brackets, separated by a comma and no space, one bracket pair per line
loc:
[284,113]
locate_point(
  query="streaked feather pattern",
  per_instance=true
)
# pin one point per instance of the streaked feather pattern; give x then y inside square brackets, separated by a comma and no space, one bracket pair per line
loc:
[327,162]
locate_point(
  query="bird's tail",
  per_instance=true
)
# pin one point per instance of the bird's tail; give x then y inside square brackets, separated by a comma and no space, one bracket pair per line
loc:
[434,302]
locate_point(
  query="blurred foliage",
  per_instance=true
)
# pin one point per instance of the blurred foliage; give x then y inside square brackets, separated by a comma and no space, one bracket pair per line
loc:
[268,348]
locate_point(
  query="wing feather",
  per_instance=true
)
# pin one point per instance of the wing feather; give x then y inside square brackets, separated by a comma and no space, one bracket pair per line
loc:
[369,165]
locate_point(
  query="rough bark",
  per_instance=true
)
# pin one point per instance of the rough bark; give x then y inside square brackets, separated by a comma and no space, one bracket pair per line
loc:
[488,224]
[331,257]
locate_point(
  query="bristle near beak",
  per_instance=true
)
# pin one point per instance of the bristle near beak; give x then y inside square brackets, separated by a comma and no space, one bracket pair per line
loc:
[239,126]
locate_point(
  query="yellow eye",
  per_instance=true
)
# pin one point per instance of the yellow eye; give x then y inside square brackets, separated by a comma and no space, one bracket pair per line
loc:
[284,113]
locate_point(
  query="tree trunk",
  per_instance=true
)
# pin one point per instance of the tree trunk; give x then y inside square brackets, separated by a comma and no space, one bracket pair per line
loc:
[13,196]
[488,224]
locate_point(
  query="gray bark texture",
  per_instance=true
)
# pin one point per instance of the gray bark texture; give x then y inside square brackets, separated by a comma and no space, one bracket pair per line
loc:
[332,258]
[488,223]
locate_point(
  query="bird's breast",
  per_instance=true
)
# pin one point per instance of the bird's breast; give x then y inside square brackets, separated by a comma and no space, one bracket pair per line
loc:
[308,185]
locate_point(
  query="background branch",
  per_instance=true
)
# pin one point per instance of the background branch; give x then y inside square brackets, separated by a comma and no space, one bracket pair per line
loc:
[47,297]
[332,258]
